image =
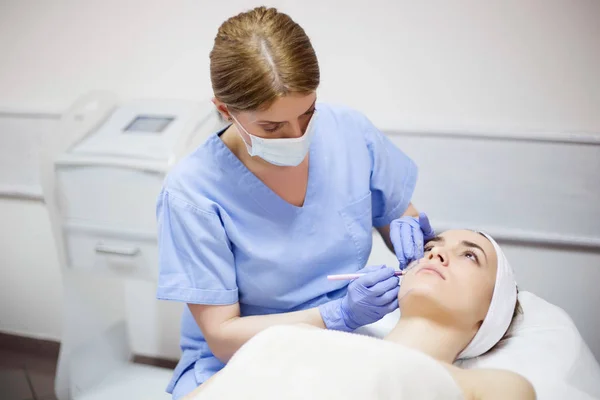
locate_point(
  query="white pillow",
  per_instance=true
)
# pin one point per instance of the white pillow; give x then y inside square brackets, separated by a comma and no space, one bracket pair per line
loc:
[543,345]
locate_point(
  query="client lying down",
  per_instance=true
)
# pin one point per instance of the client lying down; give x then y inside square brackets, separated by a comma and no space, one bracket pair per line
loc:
[458,302]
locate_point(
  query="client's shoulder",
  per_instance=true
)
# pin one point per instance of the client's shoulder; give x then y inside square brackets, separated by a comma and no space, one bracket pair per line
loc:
[491,384]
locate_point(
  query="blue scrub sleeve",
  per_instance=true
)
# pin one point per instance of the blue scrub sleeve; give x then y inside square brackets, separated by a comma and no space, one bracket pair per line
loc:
[196,264]
[393,177]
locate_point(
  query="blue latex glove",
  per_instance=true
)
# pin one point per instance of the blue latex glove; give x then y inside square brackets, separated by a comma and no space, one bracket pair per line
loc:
[408,235]
[367,300]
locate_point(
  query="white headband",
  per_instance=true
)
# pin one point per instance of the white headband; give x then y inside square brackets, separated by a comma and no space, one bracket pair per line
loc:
[500,313]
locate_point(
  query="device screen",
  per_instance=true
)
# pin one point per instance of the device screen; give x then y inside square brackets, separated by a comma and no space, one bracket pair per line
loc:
[148,124]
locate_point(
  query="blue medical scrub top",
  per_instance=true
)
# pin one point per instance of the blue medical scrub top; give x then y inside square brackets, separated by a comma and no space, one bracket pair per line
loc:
[225,237]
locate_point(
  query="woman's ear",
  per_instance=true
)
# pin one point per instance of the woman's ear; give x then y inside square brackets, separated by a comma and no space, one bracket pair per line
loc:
[222,109]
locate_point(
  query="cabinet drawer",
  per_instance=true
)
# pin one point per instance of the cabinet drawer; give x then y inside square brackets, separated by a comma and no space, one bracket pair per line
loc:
[109,254]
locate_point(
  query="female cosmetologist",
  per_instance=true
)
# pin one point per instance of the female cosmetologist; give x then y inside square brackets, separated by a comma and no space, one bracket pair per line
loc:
[252,222]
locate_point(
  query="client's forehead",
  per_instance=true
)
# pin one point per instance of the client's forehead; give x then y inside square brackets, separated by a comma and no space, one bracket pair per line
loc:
[457,235]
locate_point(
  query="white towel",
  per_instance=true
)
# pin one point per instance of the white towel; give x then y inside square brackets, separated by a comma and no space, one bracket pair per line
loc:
[288,362]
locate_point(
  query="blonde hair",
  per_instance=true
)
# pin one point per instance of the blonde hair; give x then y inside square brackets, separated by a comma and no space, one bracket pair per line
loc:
[259,56]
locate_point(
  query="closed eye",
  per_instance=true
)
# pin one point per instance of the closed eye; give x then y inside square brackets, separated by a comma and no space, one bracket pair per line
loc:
[272,129]
[275,128]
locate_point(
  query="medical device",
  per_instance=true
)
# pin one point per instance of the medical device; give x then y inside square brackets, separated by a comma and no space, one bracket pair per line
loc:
[349,277]
[101,174]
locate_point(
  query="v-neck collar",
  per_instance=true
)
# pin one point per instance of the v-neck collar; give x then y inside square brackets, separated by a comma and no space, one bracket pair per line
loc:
[261,193]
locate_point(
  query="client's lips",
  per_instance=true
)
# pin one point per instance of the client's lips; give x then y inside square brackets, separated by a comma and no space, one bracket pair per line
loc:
[434,269]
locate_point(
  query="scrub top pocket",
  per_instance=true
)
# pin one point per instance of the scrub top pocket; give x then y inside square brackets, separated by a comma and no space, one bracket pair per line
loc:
[358,220]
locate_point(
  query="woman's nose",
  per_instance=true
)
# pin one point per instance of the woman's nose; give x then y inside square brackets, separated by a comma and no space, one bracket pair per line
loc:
[296,130]
[439,255]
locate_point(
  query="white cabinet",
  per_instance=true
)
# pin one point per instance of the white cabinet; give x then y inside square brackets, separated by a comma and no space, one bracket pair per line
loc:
[101,175]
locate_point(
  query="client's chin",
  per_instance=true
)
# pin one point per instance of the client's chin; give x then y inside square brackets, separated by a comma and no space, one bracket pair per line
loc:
[424,301]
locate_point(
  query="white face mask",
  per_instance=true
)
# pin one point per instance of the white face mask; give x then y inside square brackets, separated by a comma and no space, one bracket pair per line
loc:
[288,152]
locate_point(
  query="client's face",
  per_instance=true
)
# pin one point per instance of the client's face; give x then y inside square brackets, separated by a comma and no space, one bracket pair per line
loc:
[454,281]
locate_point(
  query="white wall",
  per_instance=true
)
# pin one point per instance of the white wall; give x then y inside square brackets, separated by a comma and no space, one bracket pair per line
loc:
[522,67]
[467,64]
[30,287]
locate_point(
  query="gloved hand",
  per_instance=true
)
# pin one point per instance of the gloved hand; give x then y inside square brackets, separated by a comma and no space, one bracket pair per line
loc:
[408,235]
[367,300]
